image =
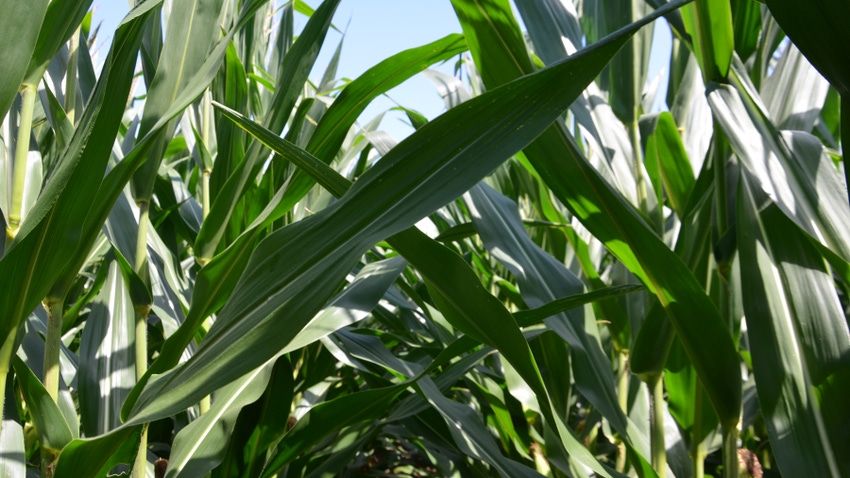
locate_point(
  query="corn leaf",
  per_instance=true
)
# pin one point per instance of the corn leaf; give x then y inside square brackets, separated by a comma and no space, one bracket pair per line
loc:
[29,269]
[816,30]
[96,457]
[53,431]
[107,359]
[414,179]
[557,159]
[798,336]
[19,26]
[13,460]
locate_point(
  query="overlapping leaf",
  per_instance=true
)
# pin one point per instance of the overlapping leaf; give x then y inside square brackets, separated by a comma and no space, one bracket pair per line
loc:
[606,214]
[798,336]
[293,269]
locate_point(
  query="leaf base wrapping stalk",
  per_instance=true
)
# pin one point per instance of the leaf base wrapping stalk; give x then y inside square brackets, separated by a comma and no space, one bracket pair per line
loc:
[623,399]
[53,307]
[730,453]
[28,95]
[697,445]
[141,463]
[141,265]
[656,417]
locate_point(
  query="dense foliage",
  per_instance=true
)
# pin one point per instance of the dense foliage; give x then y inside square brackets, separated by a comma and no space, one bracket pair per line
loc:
[214,266]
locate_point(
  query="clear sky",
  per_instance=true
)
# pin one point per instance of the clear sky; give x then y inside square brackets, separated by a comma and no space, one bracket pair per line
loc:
[377,29]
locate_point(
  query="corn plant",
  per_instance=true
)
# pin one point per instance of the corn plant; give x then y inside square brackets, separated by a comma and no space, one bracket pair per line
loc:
[215,266]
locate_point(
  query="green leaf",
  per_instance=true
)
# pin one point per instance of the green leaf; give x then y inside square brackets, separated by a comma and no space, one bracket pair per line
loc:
[353,304]
[62,127]
[62,19]
[29,268]
[19,28]
[542,279]
[191,30]
[412,180]
[747,24]
[107,357]
[292,74]
[13,459]
[336,122]
[797,333]
[329,416]
[198,448]
[96,457]
[526,318]
[628,69]
[454,287]
[272,421]
[665,150]
[352,101]
[819,32]
[113,184]
[792,168]
[53,431]
[557,159]
[229,88]
[469,432]
[709,23]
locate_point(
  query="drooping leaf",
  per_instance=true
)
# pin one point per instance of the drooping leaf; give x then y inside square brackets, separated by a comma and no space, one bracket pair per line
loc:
[798,336]
[664,149]
[329,416]
[791,167]
[96,457]
[198,448]
[556,157]
[404,186]
[818,32]
[28,270]
[53,431]
[469,432]
[542,279]
[794,92]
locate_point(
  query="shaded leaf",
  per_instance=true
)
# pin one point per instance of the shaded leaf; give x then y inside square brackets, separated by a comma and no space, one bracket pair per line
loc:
[53,431]
[797,331]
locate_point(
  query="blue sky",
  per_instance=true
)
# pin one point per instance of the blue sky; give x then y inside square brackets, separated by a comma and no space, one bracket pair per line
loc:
[377,29]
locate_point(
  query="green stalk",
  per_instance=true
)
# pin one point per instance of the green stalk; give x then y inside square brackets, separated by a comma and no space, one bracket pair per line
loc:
[28,95]
[206,133]
[623,381]
[141,267]
[206,125]
[697,445]
[623,400]
[71,77]
[656,418]
[730,453]
[52,343]
[141,462]
[637,166]
[205,188]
